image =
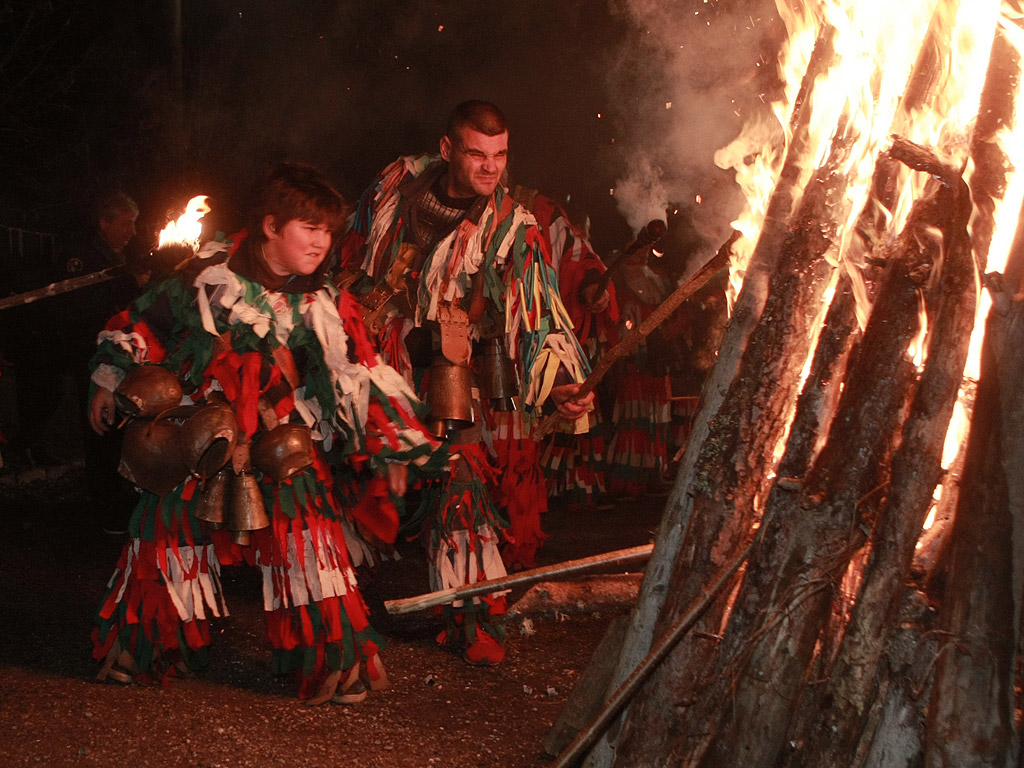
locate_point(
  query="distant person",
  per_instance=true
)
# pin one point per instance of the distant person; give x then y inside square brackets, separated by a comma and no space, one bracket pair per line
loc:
[464,267]
[83,315]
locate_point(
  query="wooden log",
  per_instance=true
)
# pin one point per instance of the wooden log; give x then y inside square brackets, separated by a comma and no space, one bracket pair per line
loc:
[591,594]
[971,711]
[569,567]
[808,535]
[63,286]
[661,313]
[738,457]
[837,718]
[746,312]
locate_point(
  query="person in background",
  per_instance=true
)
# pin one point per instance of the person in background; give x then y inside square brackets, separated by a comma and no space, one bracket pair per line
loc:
[281,362]
[84,312]
[450,265]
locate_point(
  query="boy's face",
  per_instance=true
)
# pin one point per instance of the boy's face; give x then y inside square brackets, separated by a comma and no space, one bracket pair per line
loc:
[476,162]
[297,248]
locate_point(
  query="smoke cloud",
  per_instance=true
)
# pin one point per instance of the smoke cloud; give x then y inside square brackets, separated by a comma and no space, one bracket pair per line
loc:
[692,74]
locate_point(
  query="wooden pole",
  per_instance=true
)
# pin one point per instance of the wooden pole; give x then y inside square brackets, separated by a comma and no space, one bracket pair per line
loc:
[569,567]
[63,286]
[588,736]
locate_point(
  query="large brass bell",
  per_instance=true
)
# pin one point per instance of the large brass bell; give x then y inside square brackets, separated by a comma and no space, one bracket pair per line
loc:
[449,397]
[213,498]
[207,438]
[147,391]
[150,455]
[246,511]
[498,380]
[283,451]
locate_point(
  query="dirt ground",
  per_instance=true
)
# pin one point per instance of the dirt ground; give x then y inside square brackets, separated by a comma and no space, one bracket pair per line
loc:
[54,561]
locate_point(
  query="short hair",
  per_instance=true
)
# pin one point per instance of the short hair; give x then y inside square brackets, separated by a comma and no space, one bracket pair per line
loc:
[112,204]
[482,116]
[296,191]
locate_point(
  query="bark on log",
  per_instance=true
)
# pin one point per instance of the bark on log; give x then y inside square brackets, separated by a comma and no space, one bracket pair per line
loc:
[745,315]
[587,595]
[807,539]
[971,714]
[842,713]
[737,459]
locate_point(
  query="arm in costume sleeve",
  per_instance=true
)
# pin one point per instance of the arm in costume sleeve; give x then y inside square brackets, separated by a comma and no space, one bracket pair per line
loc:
[135,336]
[393,430]
[537,325]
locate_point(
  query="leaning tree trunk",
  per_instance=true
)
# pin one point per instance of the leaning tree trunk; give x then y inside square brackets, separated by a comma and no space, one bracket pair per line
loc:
[749,308]
[737,458]
[971,713]
[811,530]
[841,713]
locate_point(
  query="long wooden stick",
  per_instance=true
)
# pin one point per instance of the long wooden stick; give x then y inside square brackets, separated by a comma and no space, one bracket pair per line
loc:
[660,314]
[63,286]
[586,738]
[569,567]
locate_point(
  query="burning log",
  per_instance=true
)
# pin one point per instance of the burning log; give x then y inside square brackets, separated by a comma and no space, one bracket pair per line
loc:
[810,532]
[971,711]
[746,313]
[838,724]
[736,459]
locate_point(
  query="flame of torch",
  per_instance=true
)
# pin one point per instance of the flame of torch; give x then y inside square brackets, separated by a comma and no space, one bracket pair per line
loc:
[186,229]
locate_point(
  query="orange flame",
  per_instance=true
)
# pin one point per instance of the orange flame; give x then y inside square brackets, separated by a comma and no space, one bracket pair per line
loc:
[186,229]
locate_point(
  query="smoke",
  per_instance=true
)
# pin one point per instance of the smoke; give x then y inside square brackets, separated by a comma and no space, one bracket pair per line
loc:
[692,74]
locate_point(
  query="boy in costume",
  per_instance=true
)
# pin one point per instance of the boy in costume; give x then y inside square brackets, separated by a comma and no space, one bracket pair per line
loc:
[259,332]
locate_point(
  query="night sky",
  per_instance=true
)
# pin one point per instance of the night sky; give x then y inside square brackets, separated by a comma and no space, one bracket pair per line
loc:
[601,95]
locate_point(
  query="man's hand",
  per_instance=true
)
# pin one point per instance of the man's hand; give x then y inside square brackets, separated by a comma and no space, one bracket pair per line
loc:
[596,303]
[569,402]
[398,479]
[101,411]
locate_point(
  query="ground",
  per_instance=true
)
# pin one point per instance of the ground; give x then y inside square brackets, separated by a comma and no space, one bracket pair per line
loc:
[55,560]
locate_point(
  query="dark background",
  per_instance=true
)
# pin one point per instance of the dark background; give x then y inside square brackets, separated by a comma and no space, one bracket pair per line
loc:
[173,98]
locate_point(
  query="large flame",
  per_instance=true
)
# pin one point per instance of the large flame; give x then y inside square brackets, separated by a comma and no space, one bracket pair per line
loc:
[873,90]
[186,229]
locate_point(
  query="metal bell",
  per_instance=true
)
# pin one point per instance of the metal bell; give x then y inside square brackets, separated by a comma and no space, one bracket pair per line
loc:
[449,397]
[212,500]
[283,451]
[246,511]
[147,390]
[150,456]
[207,439]
[498,380]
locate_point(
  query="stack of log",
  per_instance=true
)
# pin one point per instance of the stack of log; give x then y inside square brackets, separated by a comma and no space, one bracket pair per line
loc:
[783,620]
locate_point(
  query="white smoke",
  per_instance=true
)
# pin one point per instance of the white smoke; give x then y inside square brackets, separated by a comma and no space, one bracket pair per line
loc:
[691,75]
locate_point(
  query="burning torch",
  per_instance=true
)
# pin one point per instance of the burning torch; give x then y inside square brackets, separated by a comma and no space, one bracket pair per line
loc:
[177,244]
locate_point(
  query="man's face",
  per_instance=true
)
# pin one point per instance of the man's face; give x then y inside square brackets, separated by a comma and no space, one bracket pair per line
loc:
[116,232]
[297,248]
[476,162]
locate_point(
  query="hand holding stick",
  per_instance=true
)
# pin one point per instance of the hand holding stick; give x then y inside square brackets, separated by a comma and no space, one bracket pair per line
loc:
[656,318]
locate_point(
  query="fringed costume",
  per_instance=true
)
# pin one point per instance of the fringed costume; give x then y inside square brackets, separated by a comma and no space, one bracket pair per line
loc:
[290,351]
[638,454]
[480,272]
[574,464]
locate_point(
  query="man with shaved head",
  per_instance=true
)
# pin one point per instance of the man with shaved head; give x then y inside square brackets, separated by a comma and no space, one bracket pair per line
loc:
[450,266]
